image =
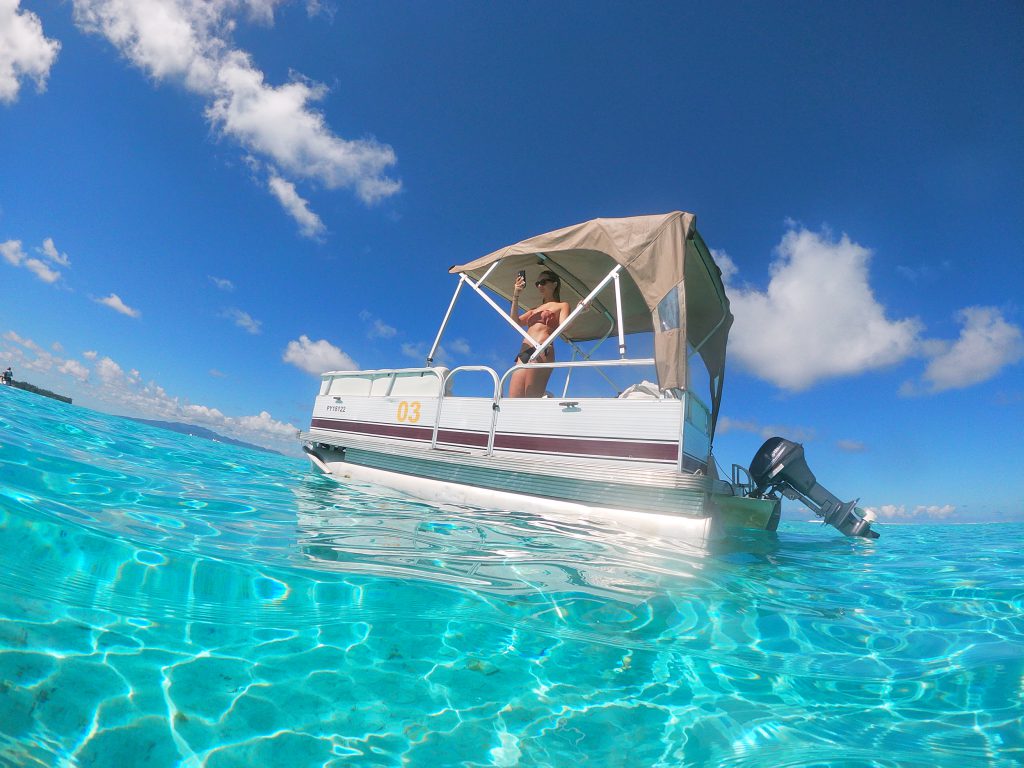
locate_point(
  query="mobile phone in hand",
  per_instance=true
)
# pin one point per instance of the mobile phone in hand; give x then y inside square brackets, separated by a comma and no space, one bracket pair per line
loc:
[522,273]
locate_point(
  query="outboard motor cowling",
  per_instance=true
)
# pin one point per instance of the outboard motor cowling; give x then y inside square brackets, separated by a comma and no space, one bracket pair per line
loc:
[779,465]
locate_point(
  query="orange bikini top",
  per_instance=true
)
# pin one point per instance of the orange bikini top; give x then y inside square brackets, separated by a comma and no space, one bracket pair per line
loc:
[546,316]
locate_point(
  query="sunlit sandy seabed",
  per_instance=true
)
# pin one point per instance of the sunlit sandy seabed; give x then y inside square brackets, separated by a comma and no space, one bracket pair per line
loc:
[165,600]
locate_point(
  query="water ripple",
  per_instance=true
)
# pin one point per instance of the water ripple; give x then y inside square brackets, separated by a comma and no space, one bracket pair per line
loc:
[220,605]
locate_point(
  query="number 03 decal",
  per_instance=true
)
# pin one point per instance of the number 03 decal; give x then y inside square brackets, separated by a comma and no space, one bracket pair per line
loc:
[409,412]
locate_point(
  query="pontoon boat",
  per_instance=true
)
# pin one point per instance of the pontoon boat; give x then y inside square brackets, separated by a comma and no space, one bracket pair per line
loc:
[640,455]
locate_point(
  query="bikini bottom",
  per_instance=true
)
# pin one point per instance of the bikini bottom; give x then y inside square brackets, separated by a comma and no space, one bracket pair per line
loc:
[547,356]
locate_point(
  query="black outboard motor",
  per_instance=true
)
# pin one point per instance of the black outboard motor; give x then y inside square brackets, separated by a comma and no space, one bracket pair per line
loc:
[779,465]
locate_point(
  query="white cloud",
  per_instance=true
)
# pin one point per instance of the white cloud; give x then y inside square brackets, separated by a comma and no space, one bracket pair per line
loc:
[315,8]
[39,360]
[109,371]
[11,250]
[222,283]
[309,223]
[278,123]
[261,429]
[264,423]
[315,357]
[900,511]
[163,37]
[27,343]
[725,264]
[796,434]
[114,302]
[243,320]
[14,254]
[382,330]
[443,355]
[935,511]
[378,328]
[203,412]
[416,351]
[40,270]
[459,347]
[987,344]
[43,361]
[851,446]
[924,272]
[190,42]
[150,400]
[818,318]
[25,52]
[49,250]
[74,369]
[128,394]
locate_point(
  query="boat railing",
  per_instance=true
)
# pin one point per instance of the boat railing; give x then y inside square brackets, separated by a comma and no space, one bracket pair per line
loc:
[741,480]
[446,387]
[572,364]
[500,384]
[382,383]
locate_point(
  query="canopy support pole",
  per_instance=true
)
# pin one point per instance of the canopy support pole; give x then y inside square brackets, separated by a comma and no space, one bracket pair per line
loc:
[444,323]
[576,284]
[508,318]
[582,306]
[711,333]
[618,315]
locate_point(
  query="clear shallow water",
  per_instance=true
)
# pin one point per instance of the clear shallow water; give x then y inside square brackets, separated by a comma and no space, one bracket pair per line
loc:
[165,600]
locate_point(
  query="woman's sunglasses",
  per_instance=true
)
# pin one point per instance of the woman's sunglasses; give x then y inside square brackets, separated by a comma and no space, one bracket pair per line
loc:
[545,281]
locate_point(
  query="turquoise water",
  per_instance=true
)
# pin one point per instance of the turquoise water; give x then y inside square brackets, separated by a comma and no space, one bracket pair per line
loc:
[165,600]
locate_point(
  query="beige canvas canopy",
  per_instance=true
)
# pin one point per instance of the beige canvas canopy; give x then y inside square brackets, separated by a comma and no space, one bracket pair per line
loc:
[670,285]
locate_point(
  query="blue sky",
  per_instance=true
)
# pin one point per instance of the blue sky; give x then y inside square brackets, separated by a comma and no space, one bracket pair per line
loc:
[202,204]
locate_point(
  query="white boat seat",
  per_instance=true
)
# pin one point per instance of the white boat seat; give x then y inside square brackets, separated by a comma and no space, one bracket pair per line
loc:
[647,390]
[417,384]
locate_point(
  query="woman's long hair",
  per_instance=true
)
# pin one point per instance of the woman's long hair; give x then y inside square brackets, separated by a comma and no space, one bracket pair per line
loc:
[547,273]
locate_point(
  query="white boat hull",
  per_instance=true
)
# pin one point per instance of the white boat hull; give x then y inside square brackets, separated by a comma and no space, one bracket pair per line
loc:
[642,463]
[687,508]
[695,529]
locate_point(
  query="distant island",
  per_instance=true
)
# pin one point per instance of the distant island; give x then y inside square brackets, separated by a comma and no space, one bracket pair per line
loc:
[38,390]
[208,434]
[173,426]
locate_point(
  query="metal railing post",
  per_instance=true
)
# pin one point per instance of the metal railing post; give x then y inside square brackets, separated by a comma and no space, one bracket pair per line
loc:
[494,399]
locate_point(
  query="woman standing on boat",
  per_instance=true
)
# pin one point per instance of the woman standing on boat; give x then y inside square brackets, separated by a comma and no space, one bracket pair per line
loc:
[540,323]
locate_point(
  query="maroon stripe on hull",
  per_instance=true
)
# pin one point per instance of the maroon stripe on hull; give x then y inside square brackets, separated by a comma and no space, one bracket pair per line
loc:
[377,430]
[458,437]
[577,446]
[611,449]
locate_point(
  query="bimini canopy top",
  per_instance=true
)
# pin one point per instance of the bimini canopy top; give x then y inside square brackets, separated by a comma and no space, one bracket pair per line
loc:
[669,283]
